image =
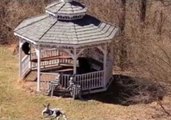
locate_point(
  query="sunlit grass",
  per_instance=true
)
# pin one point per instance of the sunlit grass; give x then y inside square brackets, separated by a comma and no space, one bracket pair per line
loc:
[18,104]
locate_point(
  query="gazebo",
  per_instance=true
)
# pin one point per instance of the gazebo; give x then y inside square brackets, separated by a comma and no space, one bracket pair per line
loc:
[66,41]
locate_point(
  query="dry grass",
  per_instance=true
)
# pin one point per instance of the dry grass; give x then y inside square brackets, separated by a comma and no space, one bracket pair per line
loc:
[147,47]
[18,104]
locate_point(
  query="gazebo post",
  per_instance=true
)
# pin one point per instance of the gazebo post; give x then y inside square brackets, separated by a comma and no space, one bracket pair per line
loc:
[38,53]
[74,57]
[20,59]
[75,61]
[30,63]
[104,63]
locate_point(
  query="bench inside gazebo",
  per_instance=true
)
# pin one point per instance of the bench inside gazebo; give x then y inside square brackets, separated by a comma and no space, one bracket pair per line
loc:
[67,42]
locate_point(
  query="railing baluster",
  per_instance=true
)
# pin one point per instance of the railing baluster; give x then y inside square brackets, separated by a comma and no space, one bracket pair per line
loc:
[87,81]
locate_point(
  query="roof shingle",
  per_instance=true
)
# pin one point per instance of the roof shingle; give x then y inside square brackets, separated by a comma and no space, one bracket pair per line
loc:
[47,29]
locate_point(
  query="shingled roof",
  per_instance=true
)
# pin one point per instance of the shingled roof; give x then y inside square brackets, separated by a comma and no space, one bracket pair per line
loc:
[66,8]
[48,29]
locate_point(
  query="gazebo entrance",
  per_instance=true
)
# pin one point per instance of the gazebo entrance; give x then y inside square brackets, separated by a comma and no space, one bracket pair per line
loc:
[91,66]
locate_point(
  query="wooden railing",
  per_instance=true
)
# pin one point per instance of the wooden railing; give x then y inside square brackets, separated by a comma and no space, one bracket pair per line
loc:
[50,58]
[25,66]
[65,61]
[64,80]
[87,81]
[46,64]
[45,79]
[90,80]
[46,53]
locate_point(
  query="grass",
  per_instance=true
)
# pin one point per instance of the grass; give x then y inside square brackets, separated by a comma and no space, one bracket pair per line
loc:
[18,104]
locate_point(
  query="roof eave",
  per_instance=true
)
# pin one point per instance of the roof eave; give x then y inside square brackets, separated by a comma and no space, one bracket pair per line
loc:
[25,38]
[76,45]
[51,13]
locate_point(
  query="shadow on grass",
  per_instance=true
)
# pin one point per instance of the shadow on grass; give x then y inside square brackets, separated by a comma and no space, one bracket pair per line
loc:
[126,90]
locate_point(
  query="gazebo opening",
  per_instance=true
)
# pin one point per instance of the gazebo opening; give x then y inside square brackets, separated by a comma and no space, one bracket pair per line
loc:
[67,42]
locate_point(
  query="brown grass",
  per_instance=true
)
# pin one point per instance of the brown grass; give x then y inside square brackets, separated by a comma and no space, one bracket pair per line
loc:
[147,54]
[18,104]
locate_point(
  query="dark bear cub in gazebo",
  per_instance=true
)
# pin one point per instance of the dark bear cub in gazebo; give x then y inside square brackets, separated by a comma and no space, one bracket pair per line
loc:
[26,48]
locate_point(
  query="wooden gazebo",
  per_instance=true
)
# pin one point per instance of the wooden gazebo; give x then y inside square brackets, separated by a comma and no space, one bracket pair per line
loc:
[67,41]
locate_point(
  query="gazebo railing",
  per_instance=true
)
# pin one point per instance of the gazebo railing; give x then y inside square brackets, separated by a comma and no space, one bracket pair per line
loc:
[64,80]
[52,63]
[90,80]
[46,53]
[50,58]
[45,80]
[66,61]
[87,81]
[46,64]
[25,65]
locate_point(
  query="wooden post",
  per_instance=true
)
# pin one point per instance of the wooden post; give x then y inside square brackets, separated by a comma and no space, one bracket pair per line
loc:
[20,59]
[30,63]
[112,57]
[38,51]
[75,61]
[74,56]
[104,63]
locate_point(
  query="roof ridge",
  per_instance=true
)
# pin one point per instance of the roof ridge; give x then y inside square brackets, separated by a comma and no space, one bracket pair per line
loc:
[52,4]
[61,7]
[75,26]
[46,16]
[48,29]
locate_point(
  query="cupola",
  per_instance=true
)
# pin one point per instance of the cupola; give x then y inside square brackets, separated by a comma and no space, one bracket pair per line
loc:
[67,10]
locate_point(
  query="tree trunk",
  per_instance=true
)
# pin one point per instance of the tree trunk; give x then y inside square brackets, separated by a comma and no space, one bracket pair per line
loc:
[123,50]
[123,15]
[143,10]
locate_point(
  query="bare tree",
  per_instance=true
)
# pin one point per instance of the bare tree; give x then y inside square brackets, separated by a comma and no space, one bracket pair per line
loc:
[162,20]
[123,15]
[143,10]
[122,23]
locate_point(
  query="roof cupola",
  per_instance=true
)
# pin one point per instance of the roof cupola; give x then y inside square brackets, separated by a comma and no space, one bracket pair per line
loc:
[67,10]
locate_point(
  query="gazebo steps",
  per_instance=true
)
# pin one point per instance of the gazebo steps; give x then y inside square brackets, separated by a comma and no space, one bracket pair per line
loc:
[66,93]
[60,92]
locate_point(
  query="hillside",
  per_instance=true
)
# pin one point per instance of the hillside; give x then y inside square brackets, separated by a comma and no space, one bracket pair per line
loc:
[143,51]
[16,103]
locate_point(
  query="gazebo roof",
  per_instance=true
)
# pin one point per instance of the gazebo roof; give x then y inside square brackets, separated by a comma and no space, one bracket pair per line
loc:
[66,8]
[47,29]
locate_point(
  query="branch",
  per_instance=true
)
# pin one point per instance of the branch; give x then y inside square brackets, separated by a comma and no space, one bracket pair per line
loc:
[163,108]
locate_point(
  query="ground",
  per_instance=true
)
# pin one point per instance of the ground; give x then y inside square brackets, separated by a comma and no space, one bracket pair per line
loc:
[17,103]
